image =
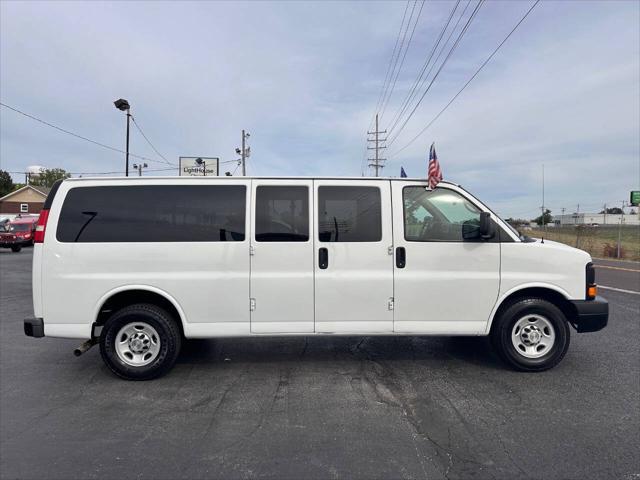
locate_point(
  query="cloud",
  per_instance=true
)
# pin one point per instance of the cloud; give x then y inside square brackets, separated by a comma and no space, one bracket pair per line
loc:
[304,78]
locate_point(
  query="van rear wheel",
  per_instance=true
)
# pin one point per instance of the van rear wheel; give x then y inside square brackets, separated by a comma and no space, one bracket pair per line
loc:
[531,335]
[140,342]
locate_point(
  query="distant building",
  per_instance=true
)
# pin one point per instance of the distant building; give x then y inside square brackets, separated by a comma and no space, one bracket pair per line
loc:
[596,219]
[28,199]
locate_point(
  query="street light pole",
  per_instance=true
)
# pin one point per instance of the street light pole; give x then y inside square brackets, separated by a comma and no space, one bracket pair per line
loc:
[122,105]
[139,167]
[127,149]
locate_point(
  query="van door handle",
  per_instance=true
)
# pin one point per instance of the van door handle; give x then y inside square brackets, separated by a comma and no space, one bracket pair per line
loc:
[323,258]
[401,257]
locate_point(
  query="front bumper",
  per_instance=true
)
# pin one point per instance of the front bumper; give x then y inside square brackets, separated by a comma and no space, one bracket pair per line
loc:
[34,327]
[591,315]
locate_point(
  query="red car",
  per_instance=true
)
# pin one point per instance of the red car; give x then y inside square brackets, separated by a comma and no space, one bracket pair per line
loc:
[18,233]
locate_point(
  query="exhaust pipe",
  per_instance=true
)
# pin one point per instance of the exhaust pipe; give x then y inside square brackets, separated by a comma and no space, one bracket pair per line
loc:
[84,347]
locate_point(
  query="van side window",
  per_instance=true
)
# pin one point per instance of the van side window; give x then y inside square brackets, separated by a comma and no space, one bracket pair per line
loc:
[349,214]
[437,215]
[153,213]
[282,214]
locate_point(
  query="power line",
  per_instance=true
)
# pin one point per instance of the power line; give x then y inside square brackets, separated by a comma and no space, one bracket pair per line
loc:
[149,141]
[395,79]
[469,81]
[421,79]
[444,62]
[76,135]
[383,90]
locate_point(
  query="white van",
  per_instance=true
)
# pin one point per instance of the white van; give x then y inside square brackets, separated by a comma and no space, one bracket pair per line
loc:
[138,264]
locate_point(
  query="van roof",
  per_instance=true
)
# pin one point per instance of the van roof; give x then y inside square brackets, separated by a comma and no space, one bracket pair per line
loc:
[280,177]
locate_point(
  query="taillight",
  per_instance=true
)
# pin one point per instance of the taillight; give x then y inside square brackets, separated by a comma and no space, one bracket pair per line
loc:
[38,236]
[590,277]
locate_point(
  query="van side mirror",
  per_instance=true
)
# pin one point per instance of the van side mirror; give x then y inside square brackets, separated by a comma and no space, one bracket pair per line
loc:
[487,230]
[470,230]
[474,230]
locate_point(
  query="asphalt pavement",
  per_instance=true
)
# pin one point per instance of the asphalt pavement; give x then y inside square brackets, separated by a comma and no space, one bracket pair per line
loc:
[319,407]
[618,274]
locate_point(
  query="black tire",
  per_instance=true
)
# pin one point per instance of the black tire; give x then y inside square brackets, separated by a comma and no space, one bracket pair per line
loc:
[165,326]
[16,249]
[503,328]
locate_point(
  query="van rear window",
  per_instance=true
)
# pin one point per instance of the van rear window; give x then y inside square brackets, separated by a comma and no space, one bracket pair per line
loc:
[153,213]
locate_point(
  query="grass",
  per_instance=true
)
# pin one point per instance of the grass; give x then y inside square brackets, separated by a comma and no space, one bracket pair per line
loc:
[597,241]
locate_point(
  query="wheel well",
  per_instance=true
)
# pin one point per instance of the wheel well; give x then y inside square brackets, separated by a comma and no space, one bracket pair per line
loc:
[556,298]
[130,297]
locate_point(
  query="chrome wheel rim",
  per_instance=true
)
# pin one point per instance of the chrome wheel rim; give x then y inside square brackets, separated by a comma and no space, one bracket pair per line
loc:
[533,336]
[137,344]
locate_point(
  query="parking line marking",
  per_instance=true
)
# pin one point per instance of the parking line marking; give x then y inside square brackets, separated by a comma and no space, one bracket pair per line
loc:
[619,290]
[617,268]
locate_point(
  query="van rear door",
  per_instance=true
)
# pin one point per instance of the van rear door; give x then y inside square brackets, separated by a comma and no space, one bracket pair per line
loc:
[353,261]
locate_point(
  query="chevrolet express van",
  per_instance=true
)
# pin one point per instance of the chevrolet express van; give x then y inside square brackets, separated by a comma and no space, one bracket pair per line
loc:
[139,264]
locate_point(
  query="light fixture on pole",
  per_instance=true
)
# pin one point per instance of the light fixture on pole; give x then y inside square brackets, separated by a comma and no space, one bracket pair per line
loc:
[244,152]
[139,167]
[122,105]
[200,161]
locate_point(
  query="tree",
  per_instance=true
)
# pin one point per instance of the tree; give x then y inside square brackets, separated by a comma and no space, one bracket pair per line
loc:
[548,218]
[49,176]
[613,211]
[6,183]
[517,222]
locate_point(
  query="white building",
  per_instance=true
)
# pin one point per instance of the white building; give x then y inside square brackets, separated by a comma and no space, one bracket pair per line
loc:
[596,219]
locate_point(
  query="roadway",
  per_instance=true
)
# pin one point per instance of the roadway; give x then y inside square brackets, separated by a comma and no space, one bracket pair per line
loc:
[618,274]
[320,407]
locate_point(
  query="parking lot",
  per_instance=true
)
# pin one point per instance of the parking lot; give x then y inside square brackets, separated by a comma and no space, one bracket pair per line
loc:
[319,407]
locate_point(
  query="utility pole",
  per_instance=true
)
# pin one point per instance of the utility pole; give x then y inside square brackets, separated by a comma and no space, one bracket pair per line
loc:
[245,152]
[562,217]
[377,162]
[544,224]
[605,215]
[618,246]
[244,168]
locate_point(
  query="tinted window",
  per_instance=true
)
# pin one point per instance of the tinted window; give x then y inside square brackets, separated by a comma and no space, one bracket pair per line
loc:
[153,213]
[437,215]
[282,214]
[349,214]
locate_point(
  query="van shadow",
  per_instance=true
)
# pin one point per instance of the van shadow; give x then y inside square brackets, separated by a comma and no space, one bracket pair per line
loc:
[431,350]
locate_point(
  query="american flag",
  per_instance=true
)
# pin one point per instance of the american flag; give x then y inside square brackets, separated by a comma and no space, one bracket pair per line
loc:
[434,172]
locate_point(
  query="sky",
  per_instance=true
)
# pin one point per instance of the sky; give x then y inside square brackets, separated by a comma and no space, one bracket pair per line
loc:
[304,78]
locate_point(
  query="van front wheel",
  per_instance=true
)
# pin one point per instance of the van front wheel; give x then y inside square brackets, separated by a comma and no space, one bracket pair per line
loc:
[531,335]
[140,342]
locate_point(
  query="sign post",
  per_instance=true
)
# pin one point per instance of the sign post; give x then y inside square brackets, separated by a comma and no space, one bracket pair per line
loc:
[199,166]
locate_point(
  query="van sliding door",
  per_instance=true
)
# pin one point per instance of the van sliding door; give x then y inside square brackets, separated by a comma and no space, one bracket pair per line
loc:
[353,261]
[281,257]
